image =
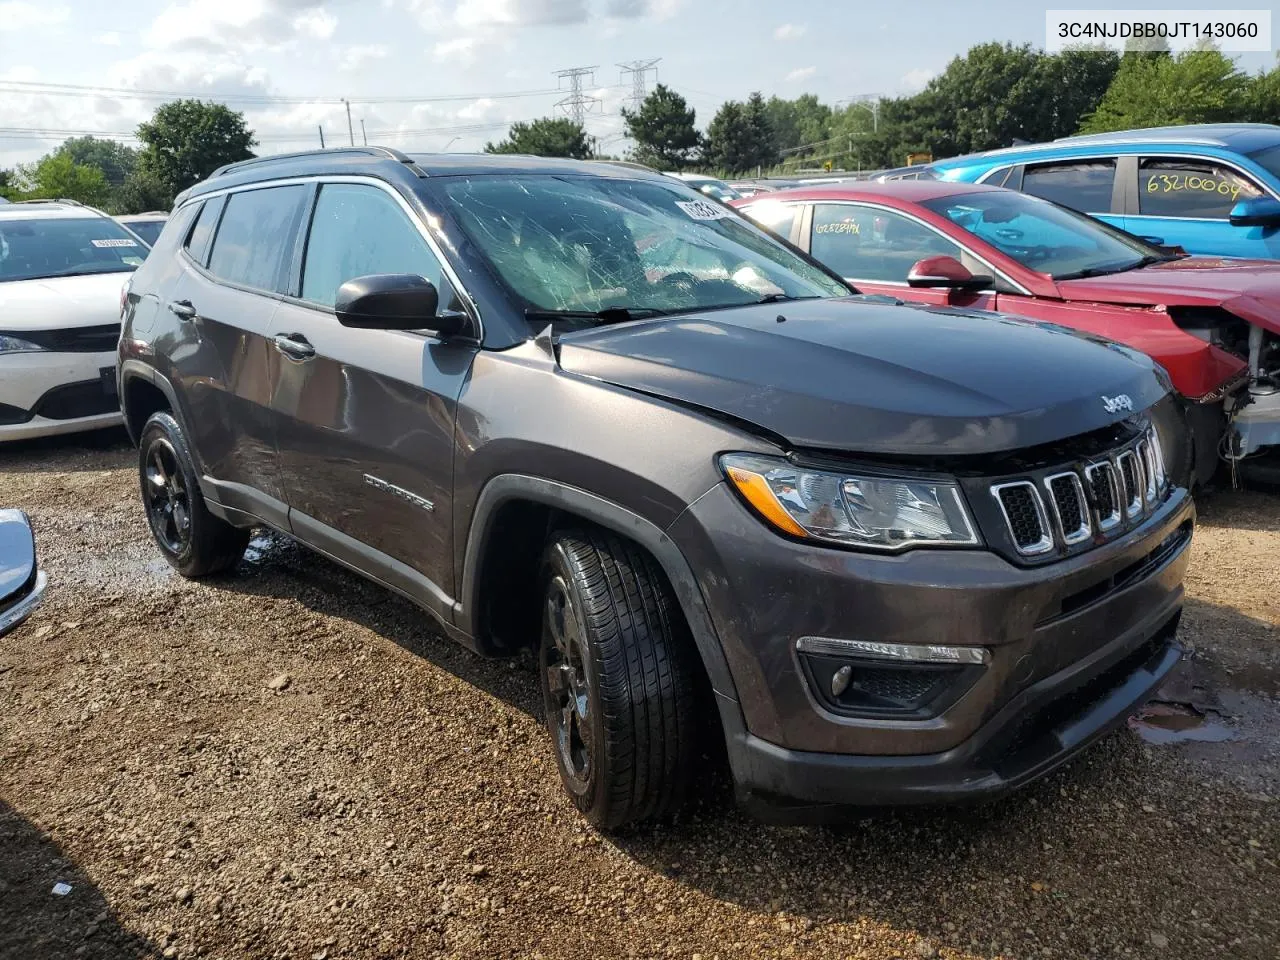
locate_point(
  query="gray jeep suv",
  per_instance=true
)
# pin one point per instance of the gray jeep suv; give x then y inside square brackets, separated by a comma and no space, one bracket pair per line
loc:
[900,554]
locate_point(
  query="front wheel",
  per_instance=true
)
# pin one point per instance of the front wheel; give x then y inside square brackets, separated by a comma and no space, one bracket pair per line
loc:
[618,679]
[193,540]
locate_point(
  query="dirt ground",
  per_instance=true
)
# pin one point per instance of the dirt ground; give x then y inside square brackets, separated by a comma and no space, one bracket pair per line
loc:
[398,798]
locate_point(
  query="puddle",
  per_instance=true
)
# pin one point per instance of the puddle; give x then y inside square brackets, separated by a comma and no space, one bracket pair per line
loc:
[260,545]
[1162,722]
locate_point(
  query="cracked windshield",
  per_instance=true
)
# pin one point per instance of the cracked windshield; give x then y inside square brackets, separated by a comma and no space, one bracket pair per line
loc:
[579,245]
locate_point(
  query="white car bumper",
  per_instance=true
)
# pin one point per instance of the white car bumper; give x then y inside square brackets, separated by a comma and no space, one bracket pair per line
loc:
[30,394]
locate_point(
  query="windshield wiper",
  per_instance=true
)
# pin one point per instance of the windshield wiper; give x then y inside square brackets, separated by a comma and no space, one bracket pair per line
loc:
[605,315]
[1145,261]
[782,297]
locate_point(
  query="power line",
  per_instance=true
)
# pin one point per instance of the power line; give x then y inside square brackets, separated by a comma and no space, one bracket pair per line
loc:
[577,104]
[639,69]
[35,88]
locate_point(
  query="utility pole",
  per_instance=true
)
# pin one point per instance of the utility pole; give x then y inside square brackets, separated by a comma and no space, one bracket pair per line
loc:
[350,132]
[577,104]
[870,102]
[320,127]
[639,70]
[363,136]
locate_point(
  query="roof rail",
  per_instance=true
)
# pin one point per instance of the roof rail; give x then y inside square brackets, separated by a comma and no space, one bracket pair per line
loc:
[387,152]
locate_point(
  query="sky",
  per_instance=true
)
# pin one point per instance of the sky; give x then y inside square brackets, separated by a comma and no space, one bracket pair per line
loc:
[428,75]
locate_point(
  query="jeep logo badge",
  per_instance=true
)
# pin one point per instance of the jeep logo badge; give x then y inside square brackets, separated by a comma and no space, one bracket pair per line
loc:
[1117,403]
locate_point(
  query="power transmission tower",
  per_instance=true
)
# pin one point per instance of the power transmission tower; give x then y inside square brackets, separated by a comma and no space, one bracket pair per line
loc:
[577,104]
[639,70]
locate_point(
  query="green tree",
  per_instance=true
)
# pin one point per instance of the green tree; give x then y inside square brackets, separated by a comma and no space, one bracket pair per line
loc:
[142,193]
[1264,97]
[663,130]
[186,140]
[804,120]
[1196,86]
[56,176]
[740,138]
[115,160]
[547,137]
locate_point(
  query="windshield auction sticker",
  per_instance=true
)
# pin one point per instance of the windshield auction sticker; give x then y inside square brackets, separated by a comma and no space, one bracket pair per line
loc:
[114,242]
[1231,31]
[704,209]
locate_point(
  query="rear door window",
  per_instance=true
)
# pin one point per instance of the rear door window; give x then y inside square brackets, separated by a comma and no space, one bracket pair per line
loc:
[255,240]
[775,216]
[1081,185]
[1191,189]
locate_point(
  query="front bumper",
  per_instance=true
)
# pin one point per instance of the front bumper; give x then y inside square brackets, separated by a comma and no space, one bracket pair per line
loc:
[1039,730]
[12,615]
[46,393]
[1053,634]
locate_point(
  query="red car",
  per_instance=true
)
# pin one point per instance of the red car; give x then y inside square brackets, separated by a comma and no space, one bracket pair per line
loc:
[1213,324]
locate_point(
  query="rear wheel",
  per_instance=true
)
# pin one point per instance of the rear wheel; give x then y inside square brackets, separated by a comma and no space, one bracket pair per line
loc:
[193,540]
[618,679]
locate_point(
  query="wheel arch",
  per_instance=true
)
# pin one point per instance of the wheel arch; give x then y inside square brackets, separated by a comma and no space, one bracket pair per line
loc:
[560,500]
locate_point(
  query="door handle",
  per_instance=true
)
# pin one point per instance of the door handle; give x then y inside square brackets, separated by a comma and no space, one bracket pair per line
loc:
[294,346]
[182,309]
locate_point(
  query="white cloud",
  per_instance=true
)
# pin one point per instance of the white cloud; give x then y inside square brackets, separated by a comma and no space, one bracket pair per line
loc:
[242,25]
[790,31]
[803,73]
[16,15]
[519,13]
[914,81]
[110,39]
[318,24]
[461,49]
[354,57]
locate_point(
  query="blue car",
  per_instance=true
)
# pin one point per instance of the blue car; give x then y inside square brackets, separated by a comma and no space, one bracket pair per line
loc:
[1212,189]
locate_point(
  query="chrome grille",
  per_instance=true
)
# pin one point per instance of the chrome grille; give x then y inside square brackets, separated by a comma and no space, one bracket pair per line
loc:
[1131,483]
[1070,509]
[1023,511]
[1084,502]
[1106,494]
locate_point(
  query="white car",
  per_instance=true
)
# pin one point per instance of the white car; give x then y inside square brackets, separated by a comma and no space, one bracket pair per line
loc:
[63,267]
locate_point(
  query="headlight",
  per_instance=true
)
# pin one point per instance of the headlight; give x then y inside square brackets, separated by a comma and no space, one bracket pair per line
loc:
[9,344]
[877,513]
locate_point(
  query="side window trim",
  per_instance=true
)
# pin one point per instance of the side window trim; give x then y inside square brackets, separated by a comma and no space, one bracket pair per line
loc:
[1124,195]
[472,308]
[997,276]
[301,238]
[203,261]
[1247,175]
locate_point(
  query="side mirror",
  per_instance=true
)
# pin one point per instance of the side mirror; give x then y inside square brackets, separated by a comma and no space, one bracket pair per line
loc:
[945,272]
[1256,212]
[394,301]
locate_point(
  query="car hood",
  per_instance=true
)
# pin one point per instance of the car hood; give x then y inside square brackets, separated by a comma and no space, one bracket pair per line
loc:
[870,377]
[1248,288]
[17,556]
[59,302]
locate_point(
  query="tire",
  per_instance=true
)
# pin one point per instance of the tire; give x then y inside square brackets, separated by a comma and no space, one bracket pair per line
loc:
[618,674]
[193,540]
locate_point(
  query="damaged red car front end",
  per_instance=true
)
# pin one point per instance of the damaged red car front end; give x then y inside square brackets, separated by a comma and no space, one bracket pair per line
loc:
[1212,323]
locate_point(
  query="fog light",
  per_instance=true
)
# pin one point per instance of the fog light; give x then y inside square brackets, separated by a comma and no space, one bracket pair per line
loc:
[901,652]
[840,680]
[864,678]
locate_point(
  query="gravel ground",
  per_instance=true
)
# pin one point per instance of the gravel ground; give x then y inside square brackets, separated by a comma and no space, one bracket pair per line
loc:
[290,762]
